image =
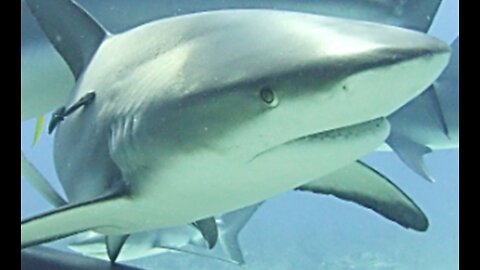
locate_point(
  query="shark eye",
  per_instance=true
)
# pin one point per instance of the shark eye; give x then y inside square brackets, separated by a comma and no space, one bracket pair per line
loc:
[268,96]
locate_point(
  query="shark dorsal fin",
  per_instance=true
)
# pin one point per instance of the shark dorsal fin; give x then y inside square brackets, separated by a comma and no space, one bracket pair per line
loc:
[73,32]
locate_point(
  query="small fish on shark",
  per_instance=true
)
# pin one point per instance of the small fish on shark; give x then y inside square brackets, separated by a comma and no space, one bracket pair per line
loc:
[166,144]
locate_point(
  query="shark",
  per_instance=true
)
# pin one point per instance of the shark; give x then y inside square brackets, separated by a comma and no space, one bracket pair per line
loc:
[214,111]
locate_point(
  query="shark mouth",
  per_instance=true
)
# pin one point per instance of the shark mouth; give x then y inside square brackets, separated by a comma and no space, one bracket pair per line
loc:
[345,132]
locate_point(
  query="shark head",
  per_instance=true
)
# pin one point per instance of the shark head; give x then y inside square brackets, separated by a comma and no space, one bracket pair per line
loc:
[237,88]
[255,80]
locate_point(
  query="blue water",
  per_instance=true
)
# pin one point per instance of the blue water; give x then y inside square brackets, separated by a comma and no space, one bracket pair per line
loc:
[306,231]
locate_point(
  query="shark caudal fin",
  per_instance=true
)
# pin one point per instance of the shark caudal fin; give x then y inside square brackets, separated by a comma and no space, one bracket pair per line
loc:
[363,185]
[231,224]
[73,32]
[38,181]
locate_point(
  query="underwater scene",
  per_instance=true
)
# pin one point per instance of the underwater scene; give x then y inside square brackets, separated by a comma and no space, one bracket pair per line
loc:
[229,134]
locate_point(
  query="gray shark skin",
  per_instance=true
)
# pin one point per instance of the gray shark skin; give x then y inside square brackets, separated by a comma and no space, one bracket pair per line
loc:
[41,257]
[430,121]
[182,142]
[46,79]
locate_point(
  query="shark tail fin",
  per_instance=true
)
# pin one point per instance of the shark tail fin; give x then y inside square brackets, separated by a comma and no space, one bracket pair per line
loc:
[365,186]
[232,223]
[36,179]
[73,32]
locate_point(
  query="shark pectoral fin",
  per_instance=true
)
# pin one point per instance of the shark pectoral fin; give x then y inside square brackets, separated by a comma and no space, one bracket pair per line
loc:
[38,130]
[36,179]
[114,245]
[411,153]
[208,229]
[75,39]
[363,185]
[70,219]
[233,223]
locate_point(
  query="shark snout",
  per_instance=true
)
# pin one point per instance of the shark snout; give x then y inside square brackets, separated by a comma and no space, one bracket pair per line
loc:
[384,68]
[360,71]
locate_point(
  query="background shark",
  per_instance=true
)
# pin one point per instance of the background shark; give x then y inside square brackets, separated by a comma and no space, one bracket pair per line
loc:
[273,203]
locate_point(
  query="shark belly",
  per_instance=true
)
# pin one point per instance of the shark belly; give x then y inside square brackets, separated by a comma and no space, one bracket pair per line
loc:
[184,187]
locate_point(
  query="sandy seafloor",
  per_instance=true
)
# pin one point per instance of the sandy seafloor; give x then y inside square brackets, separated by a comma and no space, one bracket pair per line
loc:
[306,231]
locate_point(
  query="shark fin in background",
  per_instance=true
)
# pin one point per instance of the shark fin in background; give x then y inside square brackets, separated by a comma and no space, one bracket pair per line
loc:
[38,129]
[114,245]
[447,91]
[438,113]
[208,229]
[411,153]
[233,222]
[38,181]
[363,185]
[76,40]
